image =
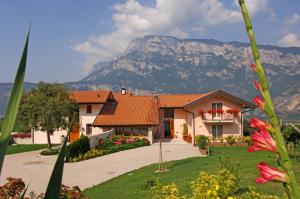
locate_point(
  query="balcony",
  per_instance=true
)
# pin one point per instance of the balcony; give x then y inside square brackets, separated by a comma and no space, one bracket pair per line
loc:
[219,118]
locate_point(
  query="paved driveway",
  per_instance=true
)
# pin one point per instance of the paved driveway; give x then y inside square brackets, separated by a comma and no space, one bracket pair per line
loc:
[36,170]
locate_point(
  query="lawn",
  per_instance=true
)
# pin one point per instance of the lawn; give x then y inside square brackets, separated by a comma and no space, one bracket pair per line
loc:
[135,185]
[20,148]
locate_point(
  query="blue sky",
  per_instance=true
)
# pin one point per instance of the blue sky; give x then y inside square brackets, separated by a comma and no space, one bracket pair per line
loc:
[68,37]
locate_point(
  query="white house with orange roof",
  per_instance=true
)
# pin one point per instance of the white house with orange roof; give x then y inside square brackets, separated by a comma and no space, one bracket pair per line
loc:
[216,114]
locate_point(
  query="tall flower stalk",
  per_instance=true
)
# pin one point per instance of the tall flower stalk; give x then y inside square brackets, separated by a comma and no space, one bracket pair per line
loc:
[284,163]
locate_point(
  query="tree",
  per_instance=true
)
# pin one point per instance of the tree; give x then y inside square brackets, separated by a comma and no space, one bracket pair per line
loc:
[48,108]
[290,134]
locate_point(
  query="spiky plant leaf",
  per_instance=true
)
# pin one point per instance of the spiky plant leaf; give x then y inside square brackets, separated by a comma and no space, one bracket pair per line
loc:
[54,185]
[13,104]
[24,192]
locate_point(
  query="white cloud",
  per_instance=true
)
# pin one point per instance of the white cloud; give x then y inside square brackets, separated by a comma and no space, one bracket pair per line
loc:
[168,17]
[255,6]
[290,39]
[293,20]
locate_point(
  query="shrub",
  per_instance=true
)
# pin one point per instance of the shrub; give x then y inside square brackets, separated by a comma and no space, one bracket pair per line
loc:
[230,139]
[185,129]
[247,139]
[80,146]
[202,141]
[218,186]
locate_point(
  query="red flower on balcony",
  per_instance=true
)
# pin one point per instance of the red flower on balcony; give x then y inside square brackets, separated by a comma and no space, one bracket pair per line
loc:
[212,111]
[220,111]
[201,113]
[233,111]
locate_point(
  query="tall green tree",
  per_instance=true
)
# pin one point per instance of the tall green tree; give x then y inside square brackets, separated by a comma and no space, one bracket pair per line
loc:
[48,108]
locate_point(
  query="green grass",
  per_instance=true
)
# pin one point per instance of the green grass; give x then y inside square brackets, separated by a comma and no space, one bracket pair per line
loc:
[20,148]
[134,185]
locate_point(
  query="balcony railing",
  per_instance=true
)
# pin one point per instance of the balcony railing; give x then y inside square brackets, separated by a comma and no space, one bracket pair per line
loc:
[217,118]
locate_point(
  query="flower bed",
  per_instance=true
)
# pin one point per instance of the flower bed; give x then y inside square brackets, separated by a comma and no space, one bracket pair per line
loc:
[22,135]
[111,145]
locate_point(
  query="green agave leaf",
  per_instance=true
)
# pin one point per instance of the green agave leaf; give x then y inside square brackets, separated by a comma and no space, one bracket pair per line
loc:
[54,185]
[13,104]
[24,192]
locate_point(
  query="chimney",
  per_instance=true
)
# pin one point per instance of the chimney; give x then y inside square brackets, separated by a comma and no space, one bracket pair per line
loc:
[123,91]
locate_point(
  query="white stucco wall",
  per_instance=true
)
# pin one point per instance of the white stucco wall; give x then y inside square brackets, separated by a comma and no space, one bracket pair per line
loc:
[88,118]
[40,137]
[180,117]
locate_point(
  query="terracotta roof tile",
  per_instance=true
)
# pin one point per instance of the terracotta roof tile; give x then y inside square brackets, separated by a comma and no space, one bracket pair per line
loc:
[177,100]
[90,96]
[128,110]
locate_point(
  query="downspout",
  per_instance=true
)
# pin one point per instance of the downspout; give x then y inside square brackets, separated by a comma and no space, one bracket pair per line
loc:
[193,122]
[242,125]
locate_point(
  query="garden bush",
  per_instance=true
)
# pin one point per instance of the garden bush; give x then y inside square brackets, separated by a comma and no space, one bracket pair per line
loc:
[247,139]
[202,141]
[111,145]
[221,185]
[80,146]
[230,139]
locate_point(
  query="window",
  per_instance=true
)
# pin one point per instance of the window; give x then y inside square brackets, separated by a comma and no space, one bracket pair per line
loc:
[216,106]
[88,129]
[217,132]
[89,108]
[169,113]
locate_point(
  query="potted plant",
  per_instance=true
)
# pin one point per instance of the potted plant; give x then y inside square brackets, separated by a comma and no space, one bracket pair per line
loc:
[185,132]
[202,144]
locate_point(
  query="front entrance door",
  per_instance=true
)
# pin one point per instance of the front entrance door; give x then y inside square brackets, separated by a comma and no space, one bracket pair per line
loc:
[74,134]
[167,129]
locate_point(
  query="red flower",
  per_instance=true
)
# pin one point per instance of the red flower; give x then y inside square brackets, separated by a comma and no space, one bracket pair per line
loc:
[201,112]
[256,123]
[220,111]
[262,141]
[233,111]
[268,173]
[253,67]
[212,111]
[257,85]
[259,102]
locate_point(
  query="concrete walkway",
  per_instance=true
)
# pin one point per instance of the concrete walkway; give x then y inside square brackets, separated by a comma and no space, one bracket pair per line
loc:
[36,170]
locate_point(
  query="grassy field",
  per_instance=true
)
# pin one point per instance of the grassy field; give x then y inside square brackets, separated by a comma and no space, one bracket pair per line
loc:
[135,185]
[20,148]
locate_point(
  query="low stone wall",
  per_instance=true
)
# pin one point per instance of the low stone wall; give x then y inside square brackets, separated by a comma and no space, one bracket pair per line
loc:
[95,138]
[22,140]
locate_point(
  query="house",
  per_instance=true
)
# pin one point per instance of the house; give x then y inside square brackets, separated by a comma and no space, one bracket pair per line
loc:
[216,114]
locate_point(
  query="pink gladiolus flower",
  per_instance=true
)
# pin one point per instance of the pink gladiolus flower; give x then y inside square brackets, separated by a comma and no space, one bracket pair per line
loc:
[253,67]
[256,123]
[259,102]
[262,141]
[257,85]
[268,173]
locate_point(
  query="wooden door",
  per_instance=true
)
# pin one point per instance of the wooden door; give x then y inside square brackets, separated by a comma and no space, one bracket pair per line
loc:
[74,135]
[172,129]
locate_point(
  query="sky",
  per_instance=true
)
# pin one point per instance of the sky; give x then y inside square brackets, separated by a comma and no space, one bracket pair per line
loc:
[68,37]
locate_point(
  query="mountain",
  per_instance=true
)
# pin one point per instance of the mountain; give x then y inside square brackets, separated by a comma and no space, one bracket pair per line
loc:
[167,64]
[5,91]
